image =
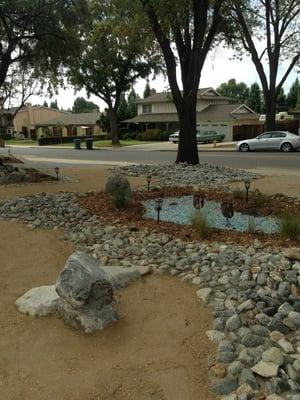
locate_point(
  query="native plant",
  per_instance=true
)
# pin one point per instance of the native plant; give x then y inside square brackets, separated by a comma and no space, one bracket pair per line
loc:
[257,199]
[200,225]
[121,199]
[289,225]
[251,225]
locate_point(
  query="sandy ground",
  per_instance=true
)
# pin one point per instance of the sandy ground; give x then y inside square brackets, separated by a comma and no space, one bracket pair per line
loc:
[275,181]
[82,180]
[157,351]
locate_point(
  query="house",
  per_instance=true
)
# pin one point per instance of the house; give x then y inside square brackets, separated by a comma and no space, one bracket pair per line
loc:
[296,116]
[28,117]
[214,112]
[68,124]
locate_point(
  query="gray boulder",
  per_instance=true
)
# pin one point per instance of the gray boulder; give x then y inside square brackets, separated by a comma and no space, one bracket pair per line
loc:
[39,301]
[86,294]
[117,182]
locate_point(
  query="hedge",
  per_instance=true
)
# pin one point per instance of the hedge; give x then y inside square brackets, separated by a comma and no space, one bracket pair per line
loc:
[44,141]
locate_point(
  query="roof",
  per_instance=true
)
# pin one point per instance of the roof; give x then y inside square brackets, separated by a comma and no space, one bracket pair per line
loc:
[213,112]
[163,97]
[73,119]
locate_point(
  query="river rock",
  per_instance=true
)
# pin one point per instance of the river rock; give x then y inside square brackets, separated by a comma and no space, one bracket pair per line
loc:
[39,301]
[265,369]
[86,294]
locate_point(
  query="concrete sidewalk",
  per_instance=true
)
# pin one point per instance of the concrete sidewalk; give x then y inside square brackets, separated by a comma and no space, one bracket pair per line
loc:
[159,146]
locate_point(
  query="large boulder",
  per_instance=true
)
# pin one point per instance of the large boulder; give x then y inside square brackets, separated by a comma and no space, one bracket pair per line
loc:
[86,294]
[39,301]
[117,183]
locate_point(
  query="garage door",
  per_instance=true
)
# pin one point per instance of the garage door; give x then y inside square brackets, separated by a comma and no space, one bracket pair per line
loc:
[219,128]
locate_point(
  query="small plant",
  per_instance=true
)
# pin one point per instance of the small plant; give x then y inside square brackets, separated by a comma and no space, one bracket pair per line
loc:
[238,194]
[257,199]
[200,225]
[121,199]
[251,225]
[289,226]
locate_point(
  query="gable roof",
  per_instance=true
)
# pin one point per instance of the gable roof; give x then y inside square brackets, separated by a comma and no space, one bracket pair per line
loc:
[164,97]
[73,119]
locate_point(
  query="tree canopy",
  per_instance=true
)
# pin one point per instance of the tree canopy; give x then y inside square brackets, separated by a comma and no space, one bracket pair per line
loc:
[81,105]
[236,91]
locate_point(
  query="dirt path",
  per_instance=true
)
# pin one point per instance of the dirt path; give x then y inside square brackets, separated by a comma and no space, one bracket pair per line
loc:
[157,351]
[83,180]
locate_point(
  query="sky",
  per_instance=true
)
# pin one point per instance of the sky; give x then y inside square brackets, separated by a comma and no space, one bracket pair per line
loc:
[219,67]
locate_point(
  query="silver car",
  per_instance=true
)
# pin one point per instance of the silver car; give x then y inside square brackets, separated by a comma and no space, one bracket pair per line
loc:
[276,140]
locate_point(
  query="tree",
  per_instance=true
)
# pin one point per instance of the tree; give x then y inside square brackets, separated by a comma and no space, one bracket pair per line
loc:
[132,103]
[236,91]
[83,106]
[54,104]
[116,50]
[254,100]
[281,101]
[190,26]
[39,33]
[276,23]
[45,104]
[147,90]
[293,94]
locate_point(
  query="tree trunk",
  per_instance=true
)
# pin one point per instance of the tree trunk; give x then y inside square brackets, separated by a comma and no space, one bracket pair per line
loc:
[113,127]
[270,104]
[187,147]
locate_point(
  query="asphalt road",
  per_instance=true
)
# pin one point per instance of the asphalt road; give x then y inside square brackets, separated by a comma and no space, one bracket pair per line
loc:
[45,157]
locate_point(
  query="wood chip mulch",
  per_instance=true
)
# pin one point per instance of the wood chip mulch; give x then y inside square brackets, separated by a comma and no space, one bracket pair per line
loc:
[10,160]
[101,204]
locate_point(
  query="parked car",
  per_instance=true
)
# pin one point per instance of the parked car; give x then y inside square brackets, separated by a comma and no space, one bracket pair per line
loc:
[276,140]
[202,137]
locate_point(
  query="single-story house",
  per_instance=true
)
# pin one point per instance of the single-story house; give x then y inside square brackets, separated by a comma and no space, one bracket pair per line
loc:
[214,112]
[296,116]
[69,124]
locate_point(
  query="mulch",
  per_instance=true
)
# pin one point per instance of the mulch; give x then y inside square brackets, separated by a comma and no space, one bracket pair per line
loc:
[101,203]
[10,160]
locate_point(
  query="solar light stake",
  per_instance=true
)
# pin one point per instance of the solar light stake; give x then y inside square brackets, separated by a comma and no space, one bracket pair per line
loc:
[158,208]
[149,177]
[56,169]
[247,183]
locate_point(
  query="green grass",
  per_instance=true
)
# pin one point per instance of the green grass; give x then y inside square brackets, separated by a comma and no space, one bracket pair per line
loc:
[289,226]
[200,225]
[25,142]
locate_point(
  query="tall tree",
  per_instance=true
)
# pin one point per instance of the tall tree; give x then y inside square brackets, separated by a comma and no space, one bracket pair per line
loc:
[254,100]
[132,103]
[281,101]
[293,94]
[45,104]
[116,50]
[277,25]
[40,33]
[190,26]
[54,104]
[147,90]
[236,91]
[81,105]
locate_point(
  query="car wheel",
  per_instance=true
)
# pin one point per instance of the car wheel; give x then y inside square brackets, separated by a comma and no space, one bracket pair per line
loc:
[244,147]
[286,147]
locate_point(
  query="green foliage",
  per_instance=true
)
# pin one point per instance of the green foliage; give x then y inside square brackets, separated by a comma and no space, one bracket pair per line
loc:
[254,99]
[121,199]
[257,199]
[81,105]
[251,225]
[293,94]
[45,104]
[153,135]
[238,194]
[281,101]
[200,225]
[54,104]
[238,92]
[147,90]
[289,226]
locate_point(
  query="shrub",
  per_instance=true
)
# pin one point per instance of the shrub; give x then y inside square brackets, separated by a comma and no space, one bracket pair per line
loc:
[121,199]
[238,194]
[251,225]
[44,141]
[257,199]
[200,225]
[289,225]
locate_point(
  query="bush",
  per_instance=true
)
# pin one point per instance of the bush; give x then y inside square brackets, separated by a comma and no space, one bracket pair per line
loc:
[200,225]
[121,199]
[155,135]
[289,226]
[257,199]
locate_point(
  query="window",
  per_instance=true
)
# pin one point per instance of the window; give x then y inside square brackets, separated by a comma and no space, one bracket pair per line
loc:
[147,108]
[266,135]
[278,135]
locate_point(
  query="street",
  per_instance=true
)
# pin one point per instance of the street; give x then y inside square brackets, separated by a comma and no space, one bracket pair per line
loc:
[67,157]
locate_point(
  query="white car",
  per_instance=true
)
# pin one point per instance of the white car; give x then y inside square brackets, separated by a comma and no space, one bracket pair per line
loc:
[275,140]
